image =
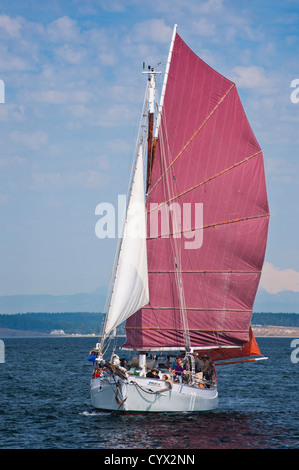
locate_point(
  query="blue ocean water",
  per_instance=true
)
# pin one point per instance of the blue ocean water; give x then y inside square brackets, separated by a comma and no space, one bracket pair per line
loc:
[45,404]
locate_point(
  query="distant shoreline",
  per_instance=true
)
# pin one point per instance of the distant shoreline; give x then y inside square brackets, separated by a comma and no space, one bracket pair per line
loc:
[258,330]
[10,333]
[275,330]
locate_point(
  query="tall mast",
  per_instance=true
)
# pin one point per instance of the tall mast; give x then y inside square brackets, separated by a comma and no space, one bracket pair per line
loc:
[153,137]
[165,83]
[151,115]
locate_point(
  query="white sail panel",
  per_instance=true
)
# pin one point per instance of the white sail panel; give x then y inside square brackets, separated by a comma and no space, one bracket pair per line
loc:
[130,290]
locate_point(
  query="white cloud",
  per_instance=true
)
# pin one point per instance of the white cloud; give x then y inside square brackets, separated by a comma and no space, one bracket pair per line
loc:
[118,146]
[84,179]
[204,27]
[114,116]
[12,112]
[63,29]
[60,97]
[155,30]
[280,170]
[42,180]
[113,5]
[108,58]
[73,55]
[12,161]
[33,140]
[276,280]
[10,62]
[211,6]
[11,26]
[250,77]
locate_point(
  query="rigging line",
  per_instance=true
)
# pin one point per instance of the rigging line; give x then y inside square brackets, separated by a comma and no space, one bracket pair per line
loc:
[194,135]
[169,186]
[168,191]
[200,285]
[208,330]
[208,180]
[174,182]
[166,235]
[157,317]
[229,271]
[199,309]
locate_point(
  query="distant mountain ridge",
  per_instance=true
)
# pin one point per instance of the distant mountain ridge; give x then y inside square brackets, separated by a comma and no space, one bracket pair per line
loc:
[283,302]
[84,302]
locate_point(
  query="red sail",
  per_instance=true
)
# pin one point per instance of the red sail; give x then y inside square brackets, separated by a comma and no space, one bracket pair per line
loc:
[248,352]
[208,154]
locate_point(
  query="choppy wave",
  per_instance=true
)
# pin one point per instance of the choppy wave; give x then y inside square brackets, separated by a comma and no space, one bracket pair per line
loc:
[45,404]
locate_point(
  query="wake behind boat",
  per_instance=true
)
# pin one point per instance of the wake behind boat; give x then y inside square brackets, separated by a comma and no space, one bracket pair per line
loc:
[187,273]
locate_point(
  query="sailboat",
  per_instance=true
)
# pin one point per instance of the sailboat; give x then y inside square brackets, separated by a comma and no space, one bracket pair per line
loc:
[193,245]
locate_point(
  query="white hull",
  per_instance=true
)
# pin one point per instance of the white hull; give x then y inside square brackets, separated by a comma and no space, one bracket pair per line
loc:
[140,394]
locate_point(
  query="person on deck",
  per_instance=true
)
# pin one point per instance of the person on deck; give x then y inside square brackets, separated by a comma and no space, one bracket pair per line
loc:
[179,369]
[92,355]
[153,374]
[197,363]
[206,367]
[124,363]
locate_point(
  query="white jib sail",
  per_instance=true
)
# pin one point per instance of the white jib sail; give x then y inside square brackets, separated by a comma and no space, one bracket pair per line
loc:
[130,289]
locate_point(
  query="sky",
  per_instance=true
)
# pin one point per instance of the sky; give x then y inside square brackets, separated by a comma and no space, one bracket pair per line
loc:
[70,113]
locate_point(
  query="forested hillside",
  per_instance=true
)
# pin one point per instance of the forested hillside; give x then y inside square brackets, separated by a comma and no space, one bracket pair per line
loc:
[276,319]
[90,323]
[70,323]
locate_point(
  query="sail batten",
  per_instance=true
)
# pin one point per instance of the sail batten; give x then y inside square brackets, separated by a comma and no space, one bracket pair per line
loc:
[207,181]
[193,229]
